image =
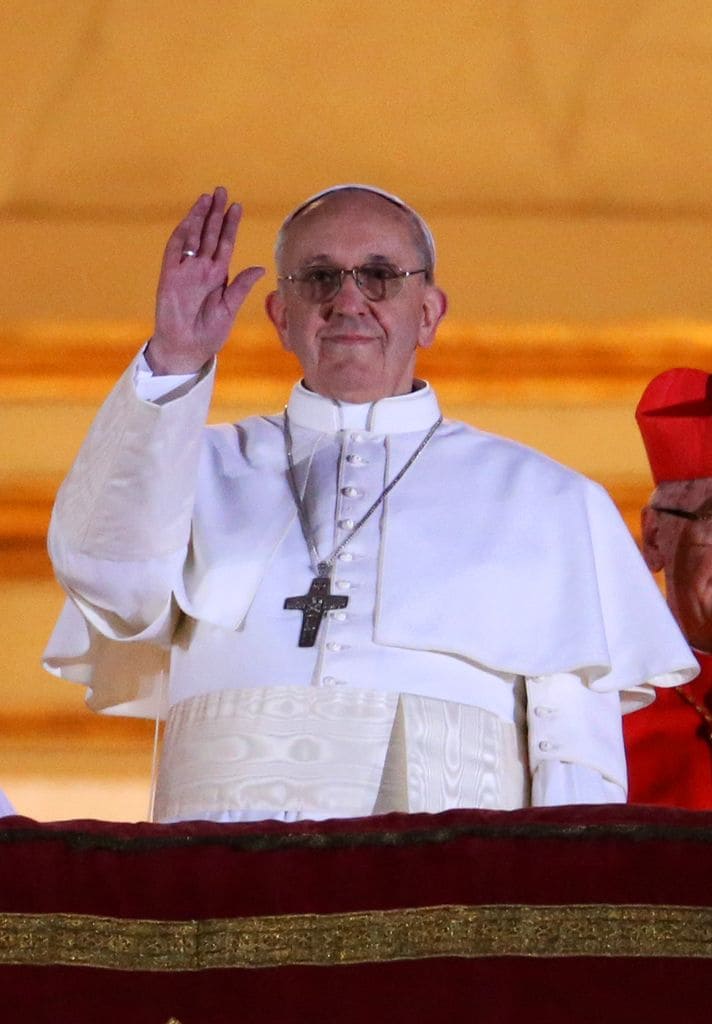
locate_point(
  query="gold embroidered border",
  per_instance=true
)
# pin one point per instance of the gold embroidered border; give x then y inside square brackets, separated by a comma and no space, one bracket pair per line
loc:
[374,936]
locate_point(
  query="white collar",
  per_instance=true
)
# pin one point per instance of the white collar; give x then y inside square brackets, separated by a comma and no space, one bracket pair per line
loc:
[400,414]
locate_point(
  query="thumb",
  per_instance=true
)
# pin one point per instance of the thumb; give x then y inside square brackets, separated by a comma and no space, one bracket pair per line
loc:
[240,286]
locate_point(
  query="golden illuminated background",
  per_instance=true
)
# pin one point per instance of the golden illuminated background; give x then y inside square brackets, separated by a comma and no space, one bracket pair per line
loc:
[561,150]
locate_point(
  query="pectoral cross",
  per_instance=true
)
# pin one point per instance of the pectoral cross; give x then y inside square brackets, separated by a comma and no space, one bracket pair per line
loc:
[313,606]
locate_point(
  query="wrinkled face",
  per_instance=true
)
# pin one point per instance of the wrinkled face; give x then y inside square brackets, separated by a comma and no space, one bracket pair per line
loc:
[683,550]
[352,348]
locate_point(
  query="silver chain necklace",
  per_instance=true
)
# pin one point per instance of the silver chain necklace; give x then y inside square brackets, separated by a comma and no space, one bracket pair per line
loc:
[319,600]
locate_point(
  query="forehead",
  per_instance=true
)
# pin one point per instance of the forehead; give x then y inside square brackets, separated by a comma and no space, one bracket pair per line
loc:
[351,226]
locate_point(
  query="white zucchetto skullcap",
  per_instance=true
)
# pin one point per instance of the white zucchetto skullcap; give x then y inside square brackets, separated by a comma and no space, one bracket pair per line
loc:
[396,200]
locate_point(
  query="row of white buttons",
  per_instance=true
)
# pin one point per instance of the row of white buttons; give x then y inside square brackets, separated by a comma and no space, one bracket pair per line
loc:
[346,524]
[541,711]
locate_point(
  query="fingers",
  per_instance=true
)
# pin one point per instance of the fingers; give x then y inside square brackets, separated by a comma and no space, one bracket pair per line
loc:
[188,233]
[213,224]
[238,289]
[209,230]
[228,234]
[206,230]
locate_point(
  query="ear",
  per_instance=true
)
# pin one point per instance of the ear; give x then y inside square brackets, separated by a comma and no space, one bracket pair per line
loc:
[433,310]
[652,548]
[276,309]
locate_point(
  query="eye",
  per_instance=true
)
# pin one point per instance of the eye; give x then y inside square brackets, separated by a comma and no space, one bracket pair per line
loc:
[319,275]
[379,272]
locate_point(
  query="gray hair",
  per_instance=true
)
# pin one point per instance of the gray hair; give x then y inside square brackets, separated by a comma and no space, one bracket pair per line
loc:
[422,234]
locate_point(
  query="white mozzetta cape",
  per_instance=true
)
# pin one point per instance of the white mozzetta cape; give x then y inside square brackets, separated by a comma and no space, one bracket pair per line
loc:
[490,554]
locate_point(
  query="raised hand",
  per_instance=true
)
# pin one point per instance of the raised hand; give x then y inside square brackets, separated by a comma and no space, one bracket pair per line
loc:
[196,306]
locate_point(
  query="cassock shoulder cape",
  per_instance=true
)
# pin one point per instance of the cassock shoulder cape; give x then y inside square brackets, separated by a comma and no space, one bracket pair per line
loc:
[491,552]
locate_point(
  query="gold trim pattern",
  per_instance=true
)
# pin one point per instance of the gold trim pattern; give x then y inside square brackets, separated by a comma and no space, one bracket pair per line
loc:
[372,936]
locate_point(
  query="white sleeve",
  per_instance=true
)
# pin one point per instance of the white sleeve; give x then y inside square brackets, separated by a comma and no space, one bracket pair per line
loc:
[159,389]
[575,736]
[121,523]
[556,783]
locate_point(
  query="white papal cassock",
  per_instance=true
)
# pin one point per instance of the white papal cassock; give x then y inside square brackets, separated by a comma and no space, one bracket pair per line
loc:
[498,608]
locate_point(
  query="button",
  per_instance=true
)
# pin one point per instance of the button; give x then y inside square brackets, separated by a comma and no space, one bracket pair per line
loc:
[546,745]
[333,646]
[346,524]
[351,492]
[346,556]
[343,584]
[543,712]
[339,616]
[356,460]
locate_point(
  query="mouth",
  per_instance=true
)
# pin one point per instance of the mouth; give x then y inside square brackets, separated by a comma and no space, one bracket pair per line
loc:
[347,338]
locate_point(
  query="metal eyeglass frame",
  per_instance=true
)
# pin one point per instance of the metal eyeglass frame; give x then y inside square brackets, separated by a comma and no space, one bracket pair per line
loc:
[683,513]
[342,272]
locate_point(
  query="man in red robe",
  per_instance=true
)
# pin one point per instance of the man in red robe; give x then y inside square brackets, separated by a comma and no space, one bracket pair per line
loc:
[669,744]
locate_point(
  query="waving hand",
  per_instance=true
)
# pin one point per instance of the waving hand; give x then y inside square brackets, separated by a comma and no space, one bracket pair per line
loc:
[196,304]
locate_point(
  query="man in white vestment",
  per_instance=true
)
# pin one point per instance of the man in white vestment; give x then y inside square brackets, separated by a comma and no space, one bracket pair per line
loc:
[356,606]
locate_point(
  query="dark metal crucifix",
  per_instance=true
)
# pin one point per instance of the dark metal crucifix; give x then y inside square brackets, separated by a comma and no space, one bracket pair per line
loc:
[313,606]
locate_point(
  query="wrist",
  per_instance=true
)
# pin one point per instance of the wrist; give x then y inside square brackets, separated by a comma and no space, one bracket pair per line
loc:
[171,364]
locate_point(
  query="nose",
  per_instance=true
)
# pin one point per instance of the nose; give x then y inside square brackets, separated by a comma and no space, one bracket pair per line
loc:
[349,300]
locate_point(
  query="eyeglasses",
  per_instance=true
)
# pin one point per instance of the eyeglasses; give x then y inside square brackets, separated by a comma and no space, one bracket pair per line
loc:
[377,281]
[701,517]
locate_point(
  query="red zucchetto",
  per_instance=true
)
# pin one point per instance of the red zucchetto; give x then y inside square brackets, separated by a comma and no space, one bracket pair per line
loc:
[675,419]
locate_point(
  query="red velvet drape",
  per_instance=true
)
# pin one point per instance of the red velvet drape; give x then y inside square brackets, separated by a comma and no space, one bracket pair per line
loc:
[630,888]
